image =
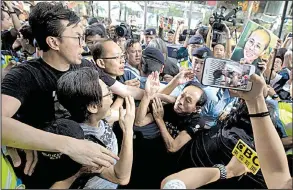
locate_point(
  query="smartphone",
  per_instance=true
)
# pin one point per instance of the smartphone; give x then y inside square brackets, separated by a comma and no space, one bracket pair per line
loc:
[290,34]
[224,73]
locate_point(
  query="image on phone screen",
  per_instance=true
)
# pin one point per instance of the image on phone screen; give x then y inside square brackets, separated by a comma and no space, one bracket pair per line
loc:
[227,74]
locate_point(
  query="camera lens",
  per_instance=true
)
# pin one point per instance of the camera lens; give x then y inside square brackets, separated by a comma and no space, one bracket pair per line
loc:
[121,31]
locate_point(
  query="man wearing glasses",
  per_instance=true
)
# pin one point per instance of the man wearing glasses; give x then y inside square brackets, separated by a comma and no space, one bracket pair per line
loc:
[29,90]
[109,57]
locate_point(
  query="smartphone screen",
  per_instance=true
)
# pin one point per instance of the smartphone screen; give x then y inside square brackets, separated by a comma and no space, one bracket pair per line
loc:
[223,73]
[290,34]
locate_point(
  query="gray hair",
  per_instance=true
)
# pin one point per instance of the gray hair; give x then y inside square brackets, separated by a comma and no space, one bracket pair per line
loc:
[159,44]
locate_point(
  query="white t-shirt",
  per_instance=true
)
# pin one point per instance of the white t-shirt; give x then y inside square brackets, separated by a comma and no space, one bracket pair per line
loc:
[106,135]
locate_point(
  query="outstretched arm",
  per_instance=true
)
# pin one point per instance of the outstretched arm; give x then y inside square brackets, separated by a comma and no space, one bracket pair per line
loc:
[267,141]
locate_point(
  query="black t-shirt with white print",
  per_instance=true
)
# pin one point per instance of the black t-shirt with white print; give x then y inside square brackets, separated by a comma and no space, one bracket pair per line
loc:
[176,123]
[34,84]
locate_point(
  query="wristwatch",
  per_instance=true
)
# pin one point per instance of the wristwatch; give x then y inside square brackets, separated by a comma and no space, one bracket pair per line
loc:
[275,96]
[223,171]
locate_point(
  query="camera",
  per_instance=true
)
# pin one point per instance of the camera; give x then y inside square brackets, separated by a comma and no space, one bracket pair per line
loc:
[218,26]
[123,30]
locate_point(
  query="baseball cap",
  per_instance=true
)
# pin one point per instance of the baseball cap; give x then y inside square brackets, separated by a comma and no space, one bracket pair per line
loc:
[196,39]
[202,52]
[154,54]
[150,31]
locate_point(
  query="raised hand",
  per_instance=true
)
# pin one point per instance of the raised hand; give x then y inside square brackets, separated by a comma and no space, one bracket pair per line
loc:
[184,76]
[126,120]
[158,110]
[152,84]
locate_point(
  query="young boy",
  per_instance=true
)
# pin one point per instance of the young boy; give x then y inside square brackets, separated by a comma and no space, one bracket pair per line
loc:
[88,100]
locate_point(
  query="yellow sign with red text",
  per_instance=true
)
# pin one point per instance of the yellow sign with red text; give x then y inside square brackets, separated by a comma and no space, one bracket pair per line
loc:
[247,156]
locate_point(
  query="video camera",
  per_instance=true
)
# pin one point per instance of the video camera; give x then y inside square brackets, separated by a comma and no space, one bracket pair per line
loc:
[124,30]
[216,22]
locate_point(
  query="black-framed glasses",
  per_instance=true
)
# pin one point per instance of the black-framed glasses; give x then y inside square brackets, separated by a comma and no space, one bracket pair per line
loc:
[110,93]
[116,57]
[80,39]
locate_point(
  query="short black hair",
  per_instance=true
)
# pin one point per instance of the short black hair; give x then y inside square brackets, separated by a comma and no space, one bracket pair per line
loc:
[215,44]
[27,33]
[93,30]
[76,90]
[130,42]
[98,48]
[203,98]
[150,65]
[93,20]
[45,20]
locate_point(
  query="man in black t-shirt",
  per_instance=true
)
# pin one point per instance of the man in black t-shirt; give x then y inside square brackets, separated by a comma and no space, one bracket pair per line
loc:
[28,91]
[179,122]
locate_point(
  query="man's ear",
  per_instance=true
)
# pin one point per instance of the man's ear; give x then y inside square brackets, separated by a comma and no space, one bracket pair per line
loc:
[162,69]
[93,108]
[100,63]
[197,109]
[53,43]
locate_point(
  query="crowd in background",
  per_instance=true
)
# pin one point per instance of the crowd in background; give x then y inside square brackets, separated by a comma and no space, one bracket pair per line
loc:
[85,106]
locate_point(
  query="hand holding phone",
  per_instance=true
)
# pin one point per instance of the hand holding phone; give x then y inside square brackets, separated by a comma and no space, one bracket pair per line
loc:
[222,73]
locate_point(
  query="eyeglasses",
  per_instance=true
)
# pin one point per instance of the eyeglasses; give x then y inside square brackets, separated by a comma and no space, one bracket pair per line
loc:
[110,93]
[251,42]
[121,57]
[80,39]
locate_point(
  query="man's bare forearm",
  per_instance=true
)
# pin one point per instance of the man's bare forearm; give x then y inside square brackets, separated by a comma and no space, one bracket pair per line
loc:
[124,165]
[170,87]
[135,92]
[228,47]
[142,110]
[165,134]
[209,36]
[19,135]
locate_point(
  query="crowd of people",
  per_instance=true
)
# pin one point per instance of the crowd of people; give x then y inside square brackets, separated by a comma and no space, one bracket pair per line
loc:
[83,107]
